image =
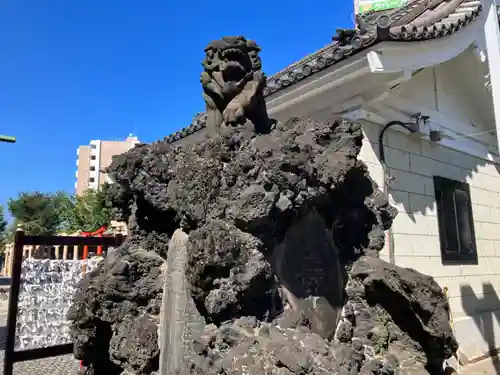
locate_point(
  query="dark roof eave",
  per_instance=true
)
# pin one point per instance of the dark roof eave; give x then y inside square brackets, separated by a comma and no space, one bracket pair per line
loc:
[356,42]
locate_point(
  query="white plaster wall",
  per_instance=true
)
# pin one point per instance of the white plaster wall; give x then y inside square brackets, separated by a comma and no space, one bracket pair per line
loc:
[473,289]
[457,90]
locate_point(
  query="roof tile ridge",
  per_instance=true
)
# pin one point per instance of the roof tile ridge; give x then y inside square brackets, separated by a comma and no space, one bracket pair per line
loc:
[410,11]
[304,60]
[337,51]
[448,9]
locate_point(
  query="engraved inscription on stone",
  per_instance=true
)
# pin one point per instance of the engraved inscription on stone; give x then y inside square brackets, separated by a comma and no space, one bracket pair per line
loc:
[313,274]
[307,264]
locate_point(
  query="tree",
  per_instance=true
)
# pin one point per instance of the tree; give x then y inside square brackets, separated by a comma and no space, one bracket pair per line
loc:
[3,223]
[87,212]
[38,213]
[3,230]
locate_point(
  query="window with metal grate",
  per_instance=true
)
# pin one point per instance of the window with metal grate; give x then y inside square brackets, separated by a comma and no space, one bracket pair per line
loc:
[455,221]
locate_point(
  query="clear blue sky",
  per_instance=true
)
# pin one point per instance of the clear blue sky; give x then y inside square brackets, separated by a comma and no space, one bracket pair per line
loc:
[76,70]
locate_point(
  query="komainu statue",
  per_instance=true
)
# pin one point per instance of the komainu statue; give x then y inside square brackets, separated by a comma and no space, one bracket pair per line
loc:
[233,84]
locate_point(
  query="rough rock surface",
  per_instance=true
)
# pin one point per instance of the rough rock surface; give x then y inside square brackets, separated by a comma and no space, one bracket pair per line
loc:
[284,232]
[394,321]
[115,313]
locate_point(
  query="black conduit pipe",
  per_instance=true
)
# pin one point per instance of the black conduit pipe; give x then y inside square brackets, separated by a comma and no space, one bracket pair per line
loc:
[386,176]
[381,137]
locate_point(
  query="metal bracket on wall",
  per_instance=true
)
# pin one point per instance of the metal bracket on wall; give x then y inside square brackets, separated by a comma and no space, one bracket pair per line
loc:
[419,121]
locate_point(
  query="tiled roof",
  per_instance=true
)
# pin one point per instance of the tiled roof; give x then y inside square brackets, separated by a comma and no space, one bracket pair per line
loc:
[419,20]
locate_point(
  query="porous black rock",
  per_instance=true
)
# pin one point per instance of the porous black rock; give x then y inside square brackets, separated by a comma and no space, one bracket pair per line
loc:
[134,345]
[411,307]
[228,273]
[114,310]
[394,320]
[284,231]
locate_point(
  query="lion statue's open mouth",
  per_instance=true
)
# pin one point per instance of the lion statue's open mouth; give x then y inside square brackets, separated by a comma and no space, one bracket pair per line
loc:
[232,71]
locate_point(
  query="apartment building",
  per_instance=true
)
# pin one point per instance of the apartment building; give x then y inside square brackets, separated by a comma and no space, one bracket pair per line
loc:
[93,158]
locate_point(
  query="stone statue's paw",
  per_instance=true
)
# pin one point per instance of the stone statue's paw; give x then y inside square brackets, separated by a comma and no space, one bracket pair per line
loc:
[233,114]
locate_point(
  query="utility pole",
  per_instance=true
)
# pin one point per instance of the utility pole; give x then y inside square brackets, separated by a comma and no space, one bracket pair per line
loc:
[7,138]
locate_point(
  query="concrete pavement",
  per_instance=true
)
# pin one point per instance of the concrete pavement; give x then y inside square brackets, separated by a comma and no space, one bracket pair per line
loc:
[490,366]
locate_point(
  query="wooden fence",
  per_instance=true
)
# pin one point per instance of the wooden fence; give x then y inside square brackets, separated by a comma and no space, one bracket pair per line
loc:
[21,240]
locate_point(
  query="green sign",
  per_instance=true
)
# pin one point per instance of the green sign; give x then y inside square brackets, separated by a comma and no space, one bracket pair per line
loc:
[363,6]
[7,138]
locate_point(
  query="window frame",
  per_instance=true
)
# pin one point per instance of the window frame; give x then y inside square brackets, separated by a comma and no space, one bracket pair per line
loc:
[441,185]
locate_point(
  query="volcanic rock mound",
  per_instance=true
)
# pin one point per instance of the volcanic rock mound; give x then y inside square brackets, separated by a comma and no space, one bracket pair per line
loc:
[283,231]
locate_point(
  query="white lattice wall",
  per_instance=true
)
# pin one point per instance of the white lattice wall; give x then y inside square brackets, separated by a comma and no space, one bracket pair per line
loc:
[46,294]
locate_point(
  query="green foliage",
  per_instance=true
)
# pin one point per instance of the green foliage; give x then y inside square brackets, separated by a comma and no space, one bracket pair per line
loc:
[3,231]
[38,213]
[3,223]
[44,213]
[10,232]
[87,212]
